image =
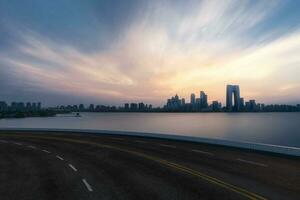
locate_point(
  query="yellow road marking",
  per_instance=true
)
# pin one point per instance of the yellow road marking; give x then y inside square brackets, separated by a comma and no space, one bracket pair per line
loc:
[236,189]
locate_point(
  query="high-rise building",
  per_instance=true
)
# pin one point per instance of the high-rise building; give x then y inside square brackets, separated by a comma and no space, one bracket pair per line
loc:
[81,107]
[33,106]
[39,105]
[235,91]
[203,99]
[20,106]
[182,101]
[174,103]
[133,106]
[193,99]
[241,103]
[252,105]
[126,106]
[3,106]
[215,106]
[91,107]
[28,106]
[13,106]
[141,106]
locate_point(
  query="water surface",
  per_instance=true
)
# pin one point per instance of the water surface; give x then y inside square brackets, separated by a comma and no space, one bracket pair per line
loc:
[271,128]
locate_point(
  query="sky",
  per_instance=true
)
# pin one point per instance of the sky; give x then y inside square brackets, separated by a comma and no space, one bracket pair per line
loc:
[117,51]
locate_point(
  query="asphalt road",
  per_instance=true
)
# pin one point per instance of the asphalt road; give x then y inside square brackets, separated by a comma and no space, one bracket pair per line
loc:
[85,166]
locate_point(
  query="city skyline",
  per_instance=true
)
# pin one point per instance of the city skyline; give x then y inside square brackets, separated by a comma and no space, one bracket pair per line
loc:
[197,103]
[233,101]
[111,52]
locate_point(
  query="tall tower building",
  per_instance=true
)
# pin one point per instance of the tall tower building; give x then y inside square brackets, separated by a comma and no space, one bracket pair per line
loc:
[203,99]
[193,99]
[232,90]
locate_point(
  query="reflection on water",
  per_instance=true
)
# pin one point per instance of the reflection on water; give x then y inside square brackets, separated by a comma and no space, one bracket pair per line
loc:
[271,128]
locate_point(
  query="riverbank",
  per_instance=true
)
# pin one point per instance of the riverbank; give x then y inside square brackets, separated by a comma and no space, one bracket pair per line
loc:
[24,114]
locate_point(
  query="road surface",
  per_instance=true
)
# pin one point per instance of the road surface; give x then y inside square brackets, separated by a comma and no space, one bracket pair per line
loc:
[87,166]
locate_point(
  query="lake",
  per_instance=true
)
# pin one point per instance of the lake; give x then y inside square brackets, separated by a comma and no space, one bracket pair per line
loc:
[270,128]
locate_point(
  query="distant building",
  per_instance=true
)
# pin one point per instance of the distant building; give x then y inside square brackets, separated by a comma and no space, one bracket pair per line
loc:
[241,103]
[203,100]
[141,106]
[39,105]
[3,106]
[183,101]
[252,105]
[133,106]
[81,107]
[75,108]
[91,107]
[235,91]
[33,106]
[174,103]
[20,106]
[28,106]
[215,106]
[193,99]
[126,106]
[13,106]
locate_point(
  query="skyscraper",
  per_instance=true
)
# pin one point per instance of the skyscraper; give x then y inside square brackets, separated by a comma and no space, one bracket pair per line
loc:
[235,91]
[141,106]
[39,105]
[203,99]
[81,107]
[182,101]
[91,108]
[126,106]
[193,99]
[241,103]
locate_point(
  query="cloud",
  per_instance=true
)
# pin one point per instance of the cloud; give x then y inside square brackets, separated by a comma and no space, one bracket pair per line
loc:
[169,49]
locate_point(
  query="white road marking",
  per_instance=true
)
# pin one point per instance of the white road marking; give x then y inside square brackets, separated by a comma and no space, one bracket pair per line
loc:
[166,145]
[60,158]
[140,141]
[252,162]
[87,185]
[72,167]
[46,151]
[32,147]
[203,152]
[3,141]
[17,143]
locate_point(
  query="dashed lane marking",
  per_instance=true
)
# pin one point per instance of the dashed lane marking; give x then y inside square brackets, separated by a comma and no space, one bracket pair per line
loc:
[46,151]
[87,185]
[60,158]
[243,192]
[17,143]
[203,152]
[72,167]
[32,147]
[252,162]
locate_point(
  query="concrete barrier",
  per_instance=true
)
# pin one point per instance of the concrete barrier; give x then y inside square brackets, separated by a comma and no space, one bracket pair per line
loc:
[292,151]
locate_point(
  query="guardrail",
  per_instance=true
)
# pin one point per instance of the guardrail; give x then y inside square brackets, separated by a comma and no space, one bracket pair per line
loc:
[292,151]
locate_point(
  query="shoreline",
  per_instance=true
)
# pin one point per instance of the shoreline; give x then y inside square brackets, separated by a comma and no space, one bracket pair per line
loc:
[261,147]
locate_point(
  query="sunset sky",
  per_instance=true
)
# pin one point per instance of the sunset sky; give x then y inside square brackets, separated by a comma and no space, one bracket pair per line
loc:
[112,52]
